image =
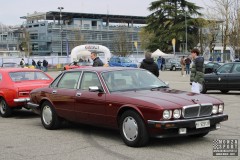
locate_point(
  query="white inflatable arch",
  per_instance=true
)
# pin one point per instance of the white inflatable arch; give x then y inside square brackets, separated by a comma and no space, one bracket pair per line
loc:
[84,51]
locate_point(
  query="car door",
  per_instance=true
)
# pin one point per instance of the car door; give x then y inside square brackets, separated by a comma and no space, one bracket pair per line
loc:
[63,94]
[90,106]
[234,77]
[219,79]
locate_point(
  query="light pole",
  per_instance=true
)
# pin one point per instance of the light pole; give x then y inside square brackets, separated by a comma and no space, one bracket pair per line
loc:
[186,30]
[60,19]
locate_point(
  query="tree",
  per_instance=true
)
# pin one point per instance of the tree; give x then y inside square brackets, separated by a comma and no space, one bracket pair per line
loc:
[25,42]
[120,42]
[222,11]
[167,21]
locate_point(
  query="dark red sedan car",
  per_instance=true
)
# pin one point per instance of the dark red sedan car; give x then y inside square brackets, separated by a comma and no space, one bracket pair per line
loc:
[15,86]
[132,100]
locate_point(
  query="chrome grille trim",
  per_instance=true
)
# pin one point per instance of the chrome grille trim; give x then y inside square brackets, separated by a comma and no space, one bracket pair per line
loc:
[197,110]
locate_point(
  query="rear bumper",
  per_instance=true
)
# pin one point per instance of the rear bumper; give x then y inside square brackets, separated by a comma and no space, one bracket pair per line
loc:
[21,100]
[35,107]
[171,128]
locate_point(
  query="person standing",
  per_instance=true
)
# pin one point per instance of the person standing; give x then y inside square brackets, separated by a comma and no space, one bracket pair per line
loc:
[197,71]
[97,62]
[149,64]
[39,65]
[22,63]
[188,62]
[159,62]
[33,63]
[45,65]
[163,64]
[182,62]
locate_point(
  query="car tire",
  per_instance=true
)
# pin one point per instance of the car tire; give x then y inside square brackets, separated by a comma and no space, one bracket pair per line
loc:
[224,91]
[173,68]
[204,89]
[5,111]
[133,129]
[49,117]
[199,135]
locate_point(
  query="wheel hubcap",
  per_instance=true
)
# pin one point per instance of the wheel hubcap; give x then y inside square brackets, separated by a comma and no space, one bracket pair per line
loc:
[130,128]
[47,115]
[3,107]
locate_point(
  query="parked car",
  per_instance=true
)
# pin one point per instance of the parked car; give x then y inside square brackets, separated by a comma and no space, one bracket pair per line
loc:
[129,99]
[74,65]
[15,86]
[210,67]
[225,78]
[121,62]
[10,65]
[172,64]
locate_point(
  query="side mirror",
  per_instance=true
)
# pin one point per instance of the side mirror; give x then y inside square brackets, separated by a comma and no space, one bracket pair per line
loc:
[94,89]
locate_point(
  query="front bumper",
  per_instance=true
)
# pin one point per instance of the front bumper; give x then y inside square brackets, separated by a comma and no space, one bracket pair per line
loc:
[171,128]
[21,100]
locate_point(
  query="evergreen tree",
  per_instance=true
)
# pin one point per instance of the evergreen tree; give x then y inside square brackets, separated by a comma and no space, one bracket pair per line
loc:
[167,21]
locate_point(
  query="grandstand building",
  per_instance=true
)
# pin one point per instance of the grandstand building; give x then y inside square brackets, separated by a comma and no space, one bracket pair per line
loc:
[56,33]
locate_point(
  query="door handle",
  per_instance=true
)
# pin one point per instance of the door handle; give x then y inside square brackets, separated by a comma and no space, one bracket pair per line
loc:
[54,92]
[78,94]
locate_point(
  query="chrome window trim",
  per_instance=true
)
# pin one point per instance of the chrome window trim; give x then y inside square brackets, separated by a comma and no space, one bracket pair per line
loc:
[83,71]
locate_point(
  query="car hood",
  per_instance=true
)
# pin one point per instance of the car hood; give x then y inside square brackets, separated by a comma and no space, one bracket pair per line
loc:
[167,98]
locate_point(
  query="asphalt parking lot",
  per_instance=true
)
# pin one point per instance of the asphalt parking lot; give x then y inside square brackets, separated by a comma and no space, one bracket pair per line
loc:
[22,136]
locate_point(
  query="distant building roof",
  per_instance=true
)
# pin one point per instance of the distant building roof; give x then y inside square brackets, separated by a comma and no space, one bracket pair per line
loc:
[69,15]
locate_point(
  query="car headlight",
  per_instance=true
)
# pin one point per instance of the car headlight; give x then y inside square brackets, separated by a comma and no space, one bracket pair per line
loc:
[177,113]
[220,108]
[167,114]
[215,109]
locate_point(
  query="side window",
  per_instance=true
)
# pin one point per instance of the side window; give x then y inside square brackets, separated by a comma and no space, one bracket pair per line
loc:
[236,68]
[0,77]
[69,80]
[118,60]
[225,68]
[54,83]
[89,79]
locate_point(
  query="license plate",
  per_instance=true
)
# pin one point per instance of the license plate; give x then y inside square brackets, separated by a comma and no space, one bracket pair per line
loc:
[202,124]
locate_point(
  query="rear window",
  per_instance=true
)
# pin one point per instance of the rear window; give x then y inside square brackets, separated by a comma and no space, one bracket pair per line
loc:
[27,76]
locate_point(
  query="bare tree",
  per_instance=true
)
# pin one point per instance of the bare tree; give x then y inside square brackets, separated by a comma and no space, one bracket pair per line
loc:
[223,10]
[120,42]
[25,42]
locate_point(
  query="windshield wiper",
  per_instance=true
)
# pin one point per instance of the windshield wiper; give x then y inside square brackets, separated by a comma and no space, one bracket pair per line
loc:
[159,87]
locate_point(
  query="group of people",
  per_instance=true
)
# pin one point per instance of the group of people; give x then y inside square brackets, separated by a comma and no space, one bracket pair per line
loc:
[185,65]
[42,65]
[197,70]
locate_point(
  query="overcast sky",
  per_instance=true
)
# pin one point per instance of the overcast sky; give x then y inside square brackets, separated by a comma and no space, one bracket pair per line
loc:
[12,10]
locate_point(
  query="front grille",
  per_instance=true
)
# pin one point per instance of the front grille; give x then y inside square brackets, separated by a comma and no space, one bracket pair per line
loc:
[197,110]
[206,110]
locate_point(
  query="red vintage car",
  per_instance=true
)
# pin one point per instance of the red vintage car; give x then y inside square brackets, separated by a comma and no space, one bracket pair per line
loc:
[15,86]
[132,100]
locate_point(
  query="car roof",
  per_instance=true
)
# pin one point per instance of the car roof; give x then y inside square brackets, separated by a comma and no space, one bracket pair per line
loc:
[17,69]
[103,69]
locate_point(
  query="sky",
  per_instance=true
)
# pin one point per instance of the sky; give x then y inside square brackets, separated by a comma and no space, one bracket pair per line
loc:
[12,10]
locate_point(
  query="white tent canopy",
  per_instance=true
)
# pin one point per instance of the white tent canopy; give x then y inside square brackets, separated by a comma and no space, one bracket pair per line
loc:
[84,52]
[158,53]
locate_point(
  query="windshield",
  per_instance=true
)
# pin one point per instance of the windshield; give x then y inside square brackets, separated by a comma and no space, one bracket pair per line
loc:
[126,80]
[126,60]
[26,76]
